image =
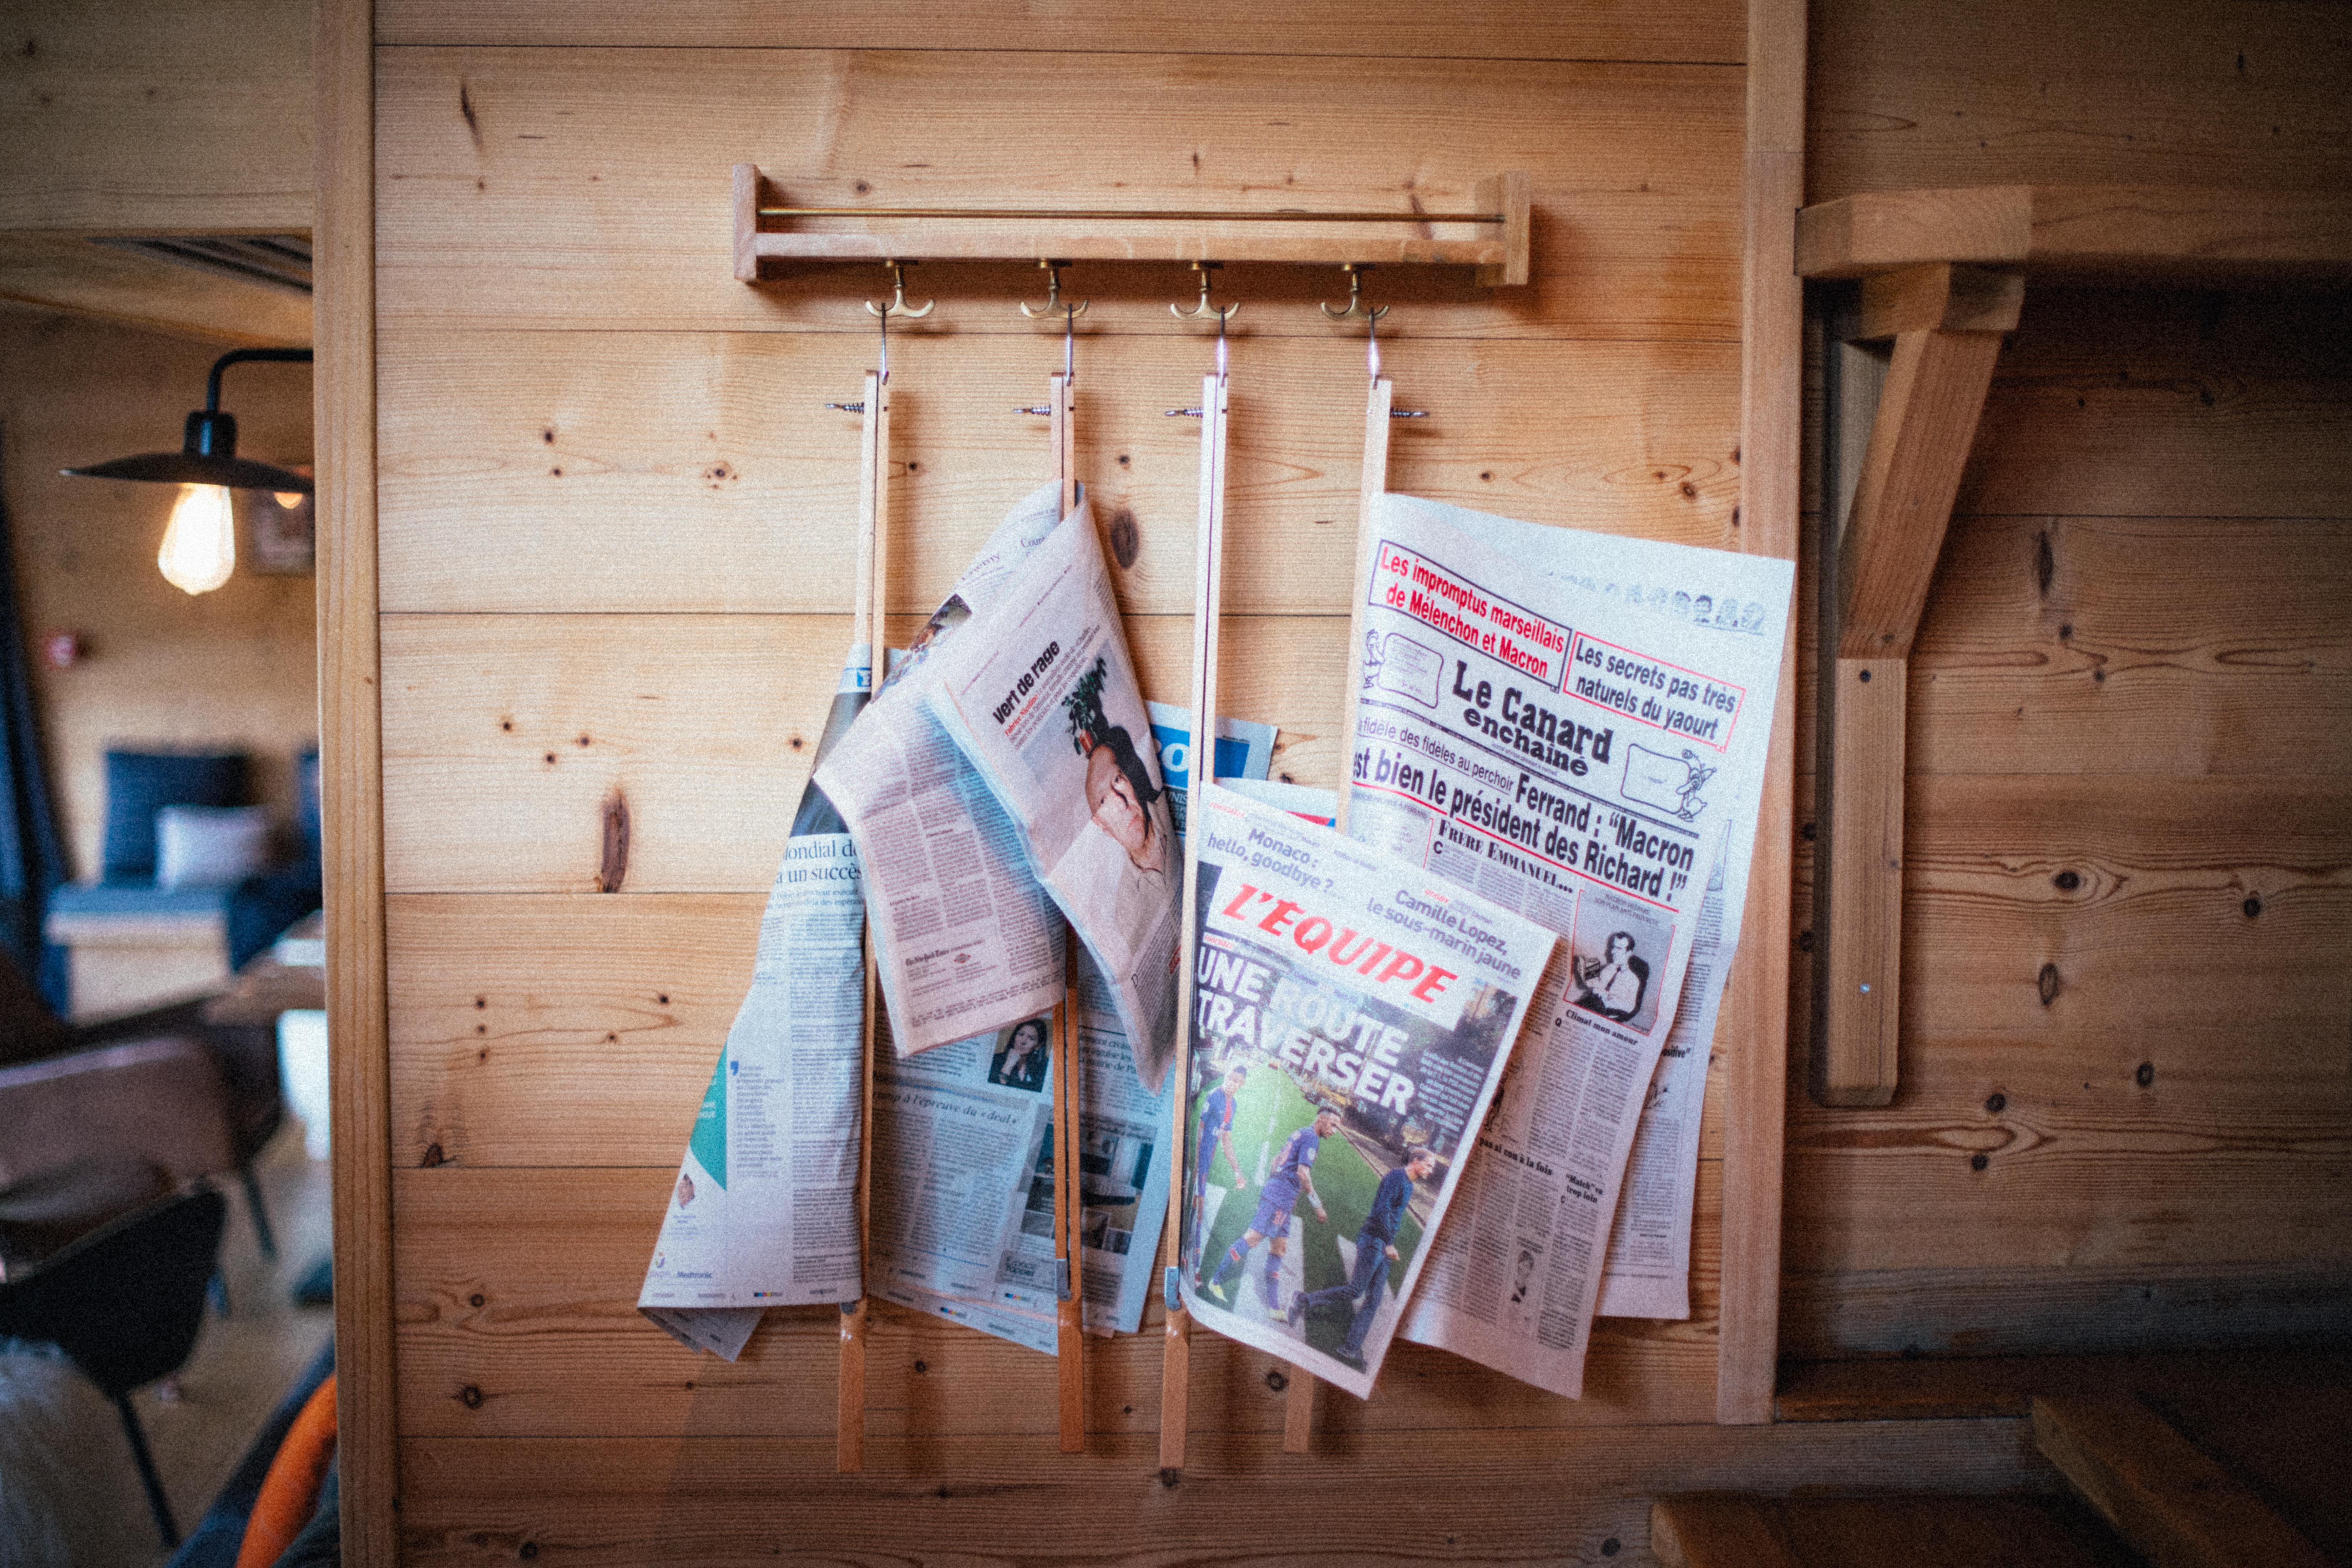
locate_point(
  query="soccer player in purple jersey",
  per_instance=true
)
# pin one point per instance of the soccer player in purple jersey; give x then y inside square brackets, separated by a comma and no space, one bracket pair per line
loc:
[1292,1175]
[1216,1132]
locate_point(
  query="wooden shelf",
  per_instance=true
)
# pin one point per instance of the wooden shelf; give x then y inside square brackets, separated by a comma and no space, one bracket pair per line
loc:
[1944,274]
[2147,234]
[1497,250]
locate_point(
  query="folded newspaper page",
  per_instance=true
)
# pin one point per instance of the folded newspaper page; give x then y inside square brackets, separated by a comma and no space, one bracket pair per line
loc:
[1554,748]
[1039,694]
[965,940]
[964,1179]
[1244,751]
[1734,610]
[966,1130]
[764,1210]
[1354,1017]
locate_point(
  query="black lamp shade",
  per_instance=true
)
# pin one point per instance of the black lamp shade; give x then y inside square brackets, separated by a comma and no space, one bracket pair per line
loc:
[207,454]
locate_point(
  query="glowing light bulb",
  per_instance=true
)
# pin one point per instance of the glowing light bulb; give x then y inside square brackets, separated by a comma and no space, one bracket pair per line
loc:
[287,500]
[200,546]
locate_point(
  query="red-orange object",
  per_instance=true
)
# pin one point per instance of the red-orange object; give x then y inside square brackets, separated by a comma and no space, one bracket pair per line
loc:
[290,1492]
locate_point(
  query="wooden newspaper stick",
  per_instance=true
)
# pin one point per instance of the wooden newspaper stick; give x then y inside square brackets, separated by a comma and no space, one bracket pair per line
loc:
[1176,1350]
[1065,467]
[1299,1411]
[872,605]
[1070,1324]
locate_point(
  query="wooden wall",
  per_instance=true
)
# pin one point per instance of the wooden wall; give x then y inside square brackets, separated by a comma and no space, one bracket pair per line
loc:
[236,667]
[613,524]
[2127,1026]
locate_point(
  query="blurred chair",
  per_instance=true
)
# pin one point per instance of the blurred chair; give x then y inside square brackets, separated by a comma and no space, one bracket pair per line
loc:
[124,1303]
[155,1087]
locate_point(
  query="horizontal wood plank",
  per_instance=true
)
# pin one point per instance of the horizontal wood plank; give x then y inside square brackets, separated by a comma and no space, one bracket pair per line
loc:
[70,273]
[1691,30]
[2149,646]
[147,117]
[591,187]
[1902,94]
[505,736]
[566,471]
[1978,1308]
[518,1316]
[1583,1498]
[2157,235]
[536,1029]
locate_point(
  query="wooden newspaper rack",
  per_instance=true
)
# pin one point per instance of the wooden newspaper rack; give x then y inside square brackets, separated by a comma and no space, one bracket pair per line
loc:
[1492,238]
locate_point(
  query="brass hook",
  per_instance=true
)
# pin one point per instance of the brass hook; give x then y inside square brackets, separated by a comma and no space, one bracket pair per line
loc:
[1222,312]
[1356,307]
[897,305]
[1053,305]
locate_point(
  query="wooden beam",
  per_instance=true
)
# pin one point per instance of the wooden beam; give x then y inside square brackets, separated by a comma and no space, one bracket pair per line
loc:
[1753,1033]
[1860,1002]
[2173,1504]
[1875,573]
[1938,296]
[350,741]
[2108,233]
[1715,1532]
[1918,444]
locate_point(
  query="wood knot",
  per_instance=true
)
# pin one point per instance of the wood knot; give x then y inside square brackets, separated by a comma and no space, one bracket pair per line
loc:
[1170,1477]
[2046,983]
[433,1156]
[2146,1075]
[2067,881]
[470,1397]
[478,1300]
[1126,539]
[1996,1103]
[615,868]
[1277,1380]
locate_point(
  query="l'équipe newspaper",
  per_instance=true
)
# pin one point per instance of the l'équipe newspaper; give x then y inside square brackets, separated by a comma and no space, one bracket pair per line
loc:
[1579,758]
[764,1209]
[1353,1017]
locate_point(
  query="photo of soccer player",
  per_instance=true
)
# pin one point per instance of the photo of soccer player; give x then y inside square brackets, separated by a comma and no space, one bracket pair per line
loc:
[1217,1109]
[1368,1279]
[1292,1177]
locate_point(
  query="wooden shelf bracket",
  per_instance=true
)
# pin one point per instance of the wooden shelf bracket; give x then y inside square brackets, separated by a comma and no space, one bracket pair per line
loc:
[1944,322]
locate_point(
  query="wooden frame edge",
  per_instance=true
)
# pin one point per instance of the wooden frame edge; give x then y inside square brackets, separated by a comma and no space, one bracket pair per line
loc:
[350,741]
[1755,1012]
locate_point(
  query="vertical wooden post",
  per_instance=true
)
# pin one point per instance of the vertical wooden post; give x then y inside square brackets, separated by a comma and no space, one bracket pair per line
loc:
[351,738]
[1753,1030]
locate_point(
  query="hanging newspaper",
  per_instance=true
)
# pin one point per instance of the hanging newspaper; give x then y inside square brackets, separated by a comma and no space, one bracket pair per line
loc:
[764,1210]
[1040,696]
[963,1146]
[1558,750]
[1353,1019]
[965,941]
[964,1178]
[1731,612]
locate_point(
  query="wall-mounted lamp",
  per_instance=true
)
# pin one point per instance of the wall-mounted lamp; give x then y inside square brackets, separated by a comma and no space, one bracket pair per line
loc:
[200,546]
